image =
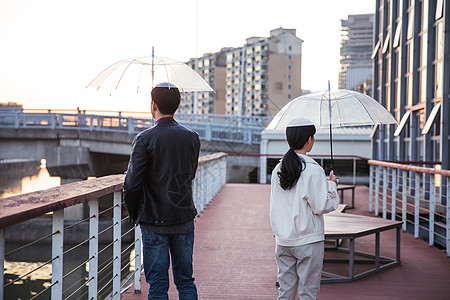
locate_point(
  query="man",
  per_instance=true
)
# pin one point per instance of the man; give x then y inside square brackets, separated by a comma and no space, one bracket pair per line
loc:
[158,195]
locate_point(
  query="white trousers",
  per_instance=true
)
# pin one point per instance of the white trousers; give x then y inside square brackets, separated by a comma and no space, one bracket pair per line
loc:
[299,269]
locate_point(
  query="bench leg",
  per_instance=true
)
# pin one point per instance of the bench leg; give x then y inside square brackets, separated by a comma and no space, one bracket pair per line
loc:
[398,245]
[353,197]
[377,250]
[351,260]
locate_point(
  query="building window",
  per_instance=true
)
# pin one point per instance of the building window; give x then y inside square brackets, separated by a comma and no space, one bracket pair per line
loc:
[289,96]
[289,67]
[289,86]
[289,77]
[290,48]
[290,57]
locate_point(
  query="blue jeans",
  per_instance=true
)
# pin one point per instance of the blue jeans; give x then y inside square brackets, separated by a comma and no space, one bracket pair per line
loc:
[156,264]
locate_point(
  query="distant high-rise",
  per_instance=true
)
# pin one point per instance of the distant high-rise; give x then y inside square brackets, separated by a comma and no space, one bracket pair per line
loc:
[257,79]
[356,49]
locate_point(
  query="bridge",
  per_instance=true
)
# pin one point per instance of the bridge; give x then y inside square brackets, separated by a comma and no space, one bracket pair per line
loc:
[234,244]
[81,144]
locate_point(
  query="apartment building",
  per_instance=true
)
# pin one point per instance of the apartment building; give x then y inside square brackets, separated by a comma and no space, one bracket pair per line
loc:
[264,74]
[355,51]
[257,79]
[211,67]
[411,68]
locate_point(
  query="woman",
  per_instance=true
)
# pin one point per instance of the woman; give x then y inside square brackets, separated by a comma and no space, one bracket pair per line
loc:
[300,195]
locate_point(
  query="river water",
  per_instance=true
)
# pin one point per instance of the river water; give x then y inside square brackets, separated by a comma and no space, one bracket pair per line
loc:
[30,177]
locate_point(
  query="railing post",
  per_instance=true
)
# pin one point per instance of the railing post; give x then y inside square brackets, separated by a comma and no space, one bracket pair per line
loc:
[93,249]
[371,170]
[224,170]
[2,261]
[117,244]
[130,125]
[195,191]
[354,171]
[385,184]
[404,199]
[16,121]
[263,162]
[208,134]
[448,217]
[432,210]
[416,206]
[203,183]
[57,254]
[377,189]
[137,260]
[53,121]
[394,194]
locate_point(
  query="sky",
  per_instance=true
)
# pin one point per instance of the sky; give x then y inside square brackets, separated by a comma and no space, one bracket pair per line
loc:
[50,50]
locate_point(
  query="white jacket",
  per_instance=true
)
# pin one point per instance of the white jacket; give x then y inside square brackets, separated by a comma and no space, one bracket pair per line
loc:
[296,214]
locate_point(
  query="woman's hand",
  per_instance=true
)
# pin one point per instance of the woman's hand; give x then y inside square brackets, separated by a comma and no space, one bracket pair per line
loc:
[333,178]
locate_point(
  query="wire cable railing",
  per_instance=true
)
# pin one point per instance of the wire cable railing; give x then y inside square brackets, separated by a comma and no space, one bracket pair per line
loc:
[417,196]
[109,256]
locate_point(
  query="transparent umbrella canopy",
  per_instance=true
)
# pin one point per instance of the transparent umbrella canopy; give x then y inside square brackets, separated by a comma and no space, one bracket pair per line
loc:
[348,108]
[332,108]
[141,74]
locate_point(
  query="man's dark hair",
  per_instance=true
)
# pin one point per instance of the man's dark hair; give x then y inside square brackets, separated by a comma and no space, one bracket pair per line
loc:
[167,99]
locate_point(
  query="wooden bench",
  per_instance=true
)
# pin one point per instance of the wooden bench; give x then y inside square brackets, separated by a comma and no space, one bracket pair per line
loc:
[340,209]
[342,187]
[342,226]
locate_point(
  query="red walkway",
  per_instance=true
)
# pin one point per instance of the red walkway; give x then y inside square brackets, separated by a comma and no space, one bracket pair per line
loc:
[234,255]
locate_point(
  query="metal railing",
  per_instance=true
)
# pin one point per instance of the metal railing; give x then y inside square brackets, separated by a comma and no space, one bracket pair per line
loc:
[351,169]
[236,129]
[106,278]
[417,196]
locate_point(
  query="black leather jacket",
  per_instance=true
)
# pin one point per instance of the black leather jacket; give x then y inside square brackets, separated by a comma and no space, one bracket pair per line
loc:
[158,183]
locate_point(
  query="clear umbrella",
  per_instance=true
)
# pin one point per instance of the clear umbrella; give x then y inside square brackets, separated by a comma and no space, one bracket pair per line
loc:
[333,108]
[345,108]
[141,74]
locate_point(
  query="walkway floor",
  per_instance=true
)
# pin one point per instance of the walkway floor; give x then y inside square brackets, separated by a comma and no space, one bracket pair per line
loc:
[234,255]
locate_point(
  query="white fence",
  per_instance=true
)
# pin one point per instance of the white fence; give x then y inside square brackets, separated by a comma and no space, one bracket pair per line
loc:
[106,279]
[417,196]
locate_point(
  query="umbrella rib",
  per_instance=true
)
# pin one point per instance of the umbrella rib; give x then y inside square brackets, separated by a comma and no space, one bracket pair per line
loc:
[320,110]
[167,73]
[101,75]
[338,112]
[373,121]
[139,80]
[123,73]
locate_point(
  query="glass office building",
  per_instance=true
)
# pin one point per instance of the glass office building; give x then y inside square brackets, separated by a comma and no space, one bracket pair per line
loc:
[411,78]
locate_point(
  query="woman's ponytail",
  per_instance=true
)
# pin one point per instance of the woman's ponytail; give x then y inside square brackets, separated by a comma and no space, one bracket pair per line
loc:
[292,167]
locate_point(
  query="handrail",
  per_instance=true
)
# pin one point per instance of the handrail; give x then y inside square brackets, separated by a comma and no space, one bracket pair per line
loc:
[409,168]
[19,208]
[311,155]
